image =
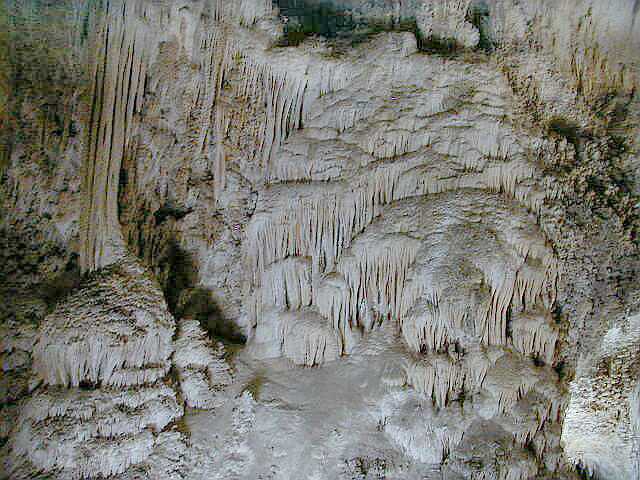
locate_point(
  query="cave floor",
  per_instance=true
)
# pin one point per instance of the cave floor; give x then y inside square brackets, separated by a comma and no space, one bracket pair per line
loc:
[316,422]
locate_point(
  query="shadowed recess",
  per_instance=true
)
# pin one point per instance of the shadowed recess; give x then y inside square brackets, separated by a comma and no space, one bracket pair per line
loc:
[187,300]
[335,20]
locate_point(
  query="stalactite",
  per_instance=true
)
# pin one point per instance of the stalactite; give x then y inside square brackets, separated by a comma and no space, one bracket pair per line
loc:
[443,379]
[376,268]
[438,277]
[434,324]
[121,52]
[527,417]
[375,273]
[312,226]
[534,334]
[302,336]
[222,122]
[289,85]
[285,284]
[211,52]
[218,54]
[118,71]
[332,298]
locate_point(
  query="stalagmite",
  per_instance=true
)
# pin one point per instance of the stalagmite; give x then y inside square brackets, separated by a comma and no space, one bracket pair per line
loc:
[90,433]
[115,330]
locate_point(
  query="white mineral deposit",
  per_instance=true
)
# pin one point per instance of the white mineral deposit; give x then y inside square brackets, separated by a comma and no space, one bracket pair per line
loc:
[320,239]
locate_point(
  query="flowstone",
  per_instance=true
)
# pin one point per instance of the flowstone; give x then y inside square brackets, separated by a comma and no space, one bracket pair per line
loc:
[398,238]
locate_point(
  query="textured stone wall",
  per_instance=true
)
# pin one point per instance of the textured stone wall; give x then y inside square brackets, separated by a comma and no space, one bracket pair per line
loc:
[480,201]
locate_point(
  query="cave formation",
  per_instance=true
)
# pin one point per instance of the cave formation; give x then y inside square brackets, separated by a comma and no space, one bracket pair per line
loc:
[310,239]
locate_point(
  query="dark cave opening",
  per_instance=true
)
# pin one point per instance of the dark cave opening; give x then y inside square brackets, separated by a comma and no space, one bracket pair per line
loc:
[64,283]
[185,299]
[308,18]
[304,18]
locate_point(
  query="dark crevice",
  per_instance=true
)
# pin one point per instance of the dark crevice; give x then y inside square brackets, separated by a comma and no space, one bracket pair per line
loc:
[304,19]
[436,45]
[168,210]
[177,267]
[87,385]
[509,323]
[571,131]
[479,17]
[122,185]
[186,300]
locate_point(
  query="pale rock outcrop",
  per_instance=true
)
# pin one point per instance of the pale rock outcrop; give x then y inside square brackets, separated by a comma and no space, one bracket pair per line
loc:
[600,429]
[202,369]
[446,21]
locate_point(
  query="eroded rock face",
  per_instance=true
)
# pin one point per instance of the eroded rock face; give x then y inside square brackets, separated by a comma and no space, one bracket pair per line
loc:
[430,213]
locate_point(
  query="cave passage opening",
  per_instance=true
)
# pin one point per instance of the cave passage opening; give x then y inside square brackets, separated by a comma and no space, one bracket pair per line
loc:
[307,18]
